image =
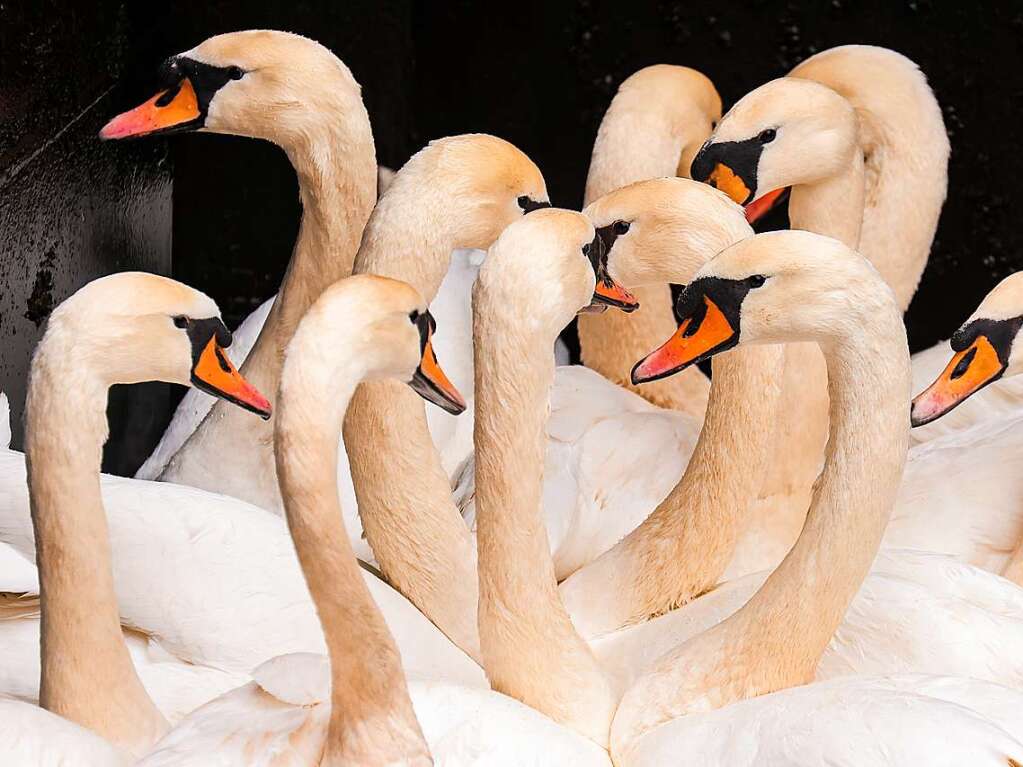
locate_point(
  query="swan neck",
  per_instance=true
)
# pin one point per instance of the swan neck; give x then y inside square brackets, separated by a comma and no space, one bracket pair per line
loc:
[869,388]
[369,694]
[336,168]
[635,145]
[832,206]
[87,673]
[530,648]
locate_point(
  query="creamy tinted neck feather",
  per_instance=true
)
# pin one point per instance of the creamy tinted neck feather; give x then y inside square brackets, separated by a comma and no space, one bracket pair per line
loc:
[419,538]
[635,145]
[87,673]
[776,639]
[832,207]
[530,649]
[372,721]
[682,548]
[337,184]
[903,138]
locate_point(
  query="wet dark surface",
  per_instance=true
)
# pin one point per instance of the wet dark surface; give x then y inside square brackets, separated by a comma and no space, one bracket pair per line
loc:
[71,208]
[539,74]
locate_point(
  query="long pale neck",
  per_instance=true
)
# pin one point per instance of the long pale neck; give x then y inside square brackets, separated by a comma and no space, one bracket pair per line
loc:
[905,146]
[418,536]
[87,673]
[371,712]
[337,186]
[636,145]
[336,167]
[832,206]
[869,387]
[683,547]
[531,651]
[776,640]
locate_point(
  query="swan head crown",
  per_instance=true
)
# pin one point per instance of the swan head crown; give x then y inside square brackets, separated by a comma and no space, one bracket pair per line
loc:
[368,327]
[257,83]
[786,132]
[538,273]
[477,182]
[776,287]
[663,230]
[132,327]
[987,347]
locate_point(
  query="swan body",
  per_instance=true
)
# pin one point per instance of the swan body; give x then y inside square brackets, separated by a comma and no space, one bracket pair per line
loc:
[30,735]
[288,704]
[852,722]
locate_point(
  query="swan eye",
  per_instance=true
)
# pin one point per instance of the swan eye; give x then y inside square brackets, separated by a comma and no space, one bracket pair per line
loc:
[620,227]
[756,281]
[713,125]
[413,316]
[235,73]
[586,249]
[181,321]
[523,202]
[767,136]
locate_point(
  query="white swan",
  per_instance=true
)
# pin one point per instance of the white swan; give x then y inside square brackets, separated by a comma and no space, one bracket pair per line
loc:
[770,289]
[374,328]
[125,328]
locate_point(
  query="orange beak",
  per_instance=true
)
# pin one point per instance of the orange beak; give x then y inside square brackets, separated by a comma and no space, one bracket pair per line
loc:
[697,338]
[174,108]
[214,374]
[725,179]
[762,205]
[431,383]
[609,293]
[966,373]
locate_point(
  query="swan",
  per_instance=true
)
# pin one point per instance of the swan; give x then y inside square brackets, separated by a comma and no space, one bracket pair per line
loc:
[835,131]
[125,328]
[292,91]
[775,288]
[657,120]
[985,351]
[374,328]
[533,652]
[207,586]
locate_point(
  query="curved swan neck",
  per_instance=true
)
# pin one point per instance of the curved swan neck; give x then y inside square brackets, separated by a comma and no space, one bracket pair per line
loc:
[777,638]
[832,206]
[335,162]
[418,536]
[530,648]
[371,712]
[683,547]
[87,673]
[906,147]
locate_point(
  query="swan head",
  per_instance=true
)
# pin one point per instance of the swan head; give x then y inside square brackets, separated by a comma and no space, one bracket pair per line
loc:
[258,83]
[367,327]
[477,183]
[542,271]
[786,132]
[664,229]
[132,327]
[771,288]
[987,346]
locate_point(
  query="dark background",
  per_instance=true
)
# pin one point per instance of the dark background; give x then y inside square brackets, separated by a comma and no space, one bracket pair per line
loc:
[539,74]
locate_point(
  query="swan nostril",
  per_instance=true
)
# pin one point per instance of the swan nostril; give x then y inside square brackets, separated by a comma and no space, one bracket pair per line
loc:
[964,364]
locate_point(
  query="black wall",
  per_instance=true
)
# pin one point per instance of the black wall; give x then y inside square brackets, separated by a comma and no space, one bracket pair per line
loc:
[537,73]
